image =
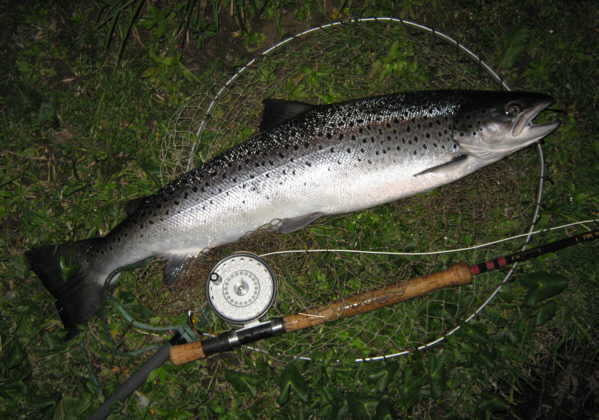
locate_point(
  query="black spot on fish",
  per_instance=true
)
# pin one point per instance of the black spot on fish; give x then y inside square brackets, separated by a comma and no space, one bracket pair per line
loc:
[360,130]
[329,136]
[319,134]
[166,214]
[348,150]
[415,152]
[194,189]
[341,136]
[416,139]
[408,129]
[295,147]
[158,206]
[424,146]
[176,203]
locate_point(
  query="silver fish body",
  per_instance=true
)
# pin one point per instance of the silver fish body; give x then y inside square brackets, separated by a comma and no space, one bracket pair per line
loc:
[307,161]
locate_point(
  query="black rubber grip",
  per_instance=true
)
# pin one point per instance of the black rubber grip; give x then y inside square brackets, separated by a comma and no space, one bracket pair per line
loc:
[216,345]
[257,333]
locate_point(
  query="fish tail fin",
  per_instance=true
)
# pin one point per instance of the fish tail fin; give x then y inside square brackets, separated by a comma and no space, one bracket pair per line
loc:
[77,297]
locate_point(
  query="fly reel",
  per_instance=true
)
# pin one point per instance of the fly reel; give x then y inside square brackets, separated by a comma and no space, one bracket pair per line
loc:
[241,288]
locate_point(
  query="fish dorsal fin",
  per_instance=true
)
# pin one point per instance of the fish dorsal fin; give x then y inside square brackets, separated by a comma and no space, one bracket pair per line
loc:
[278,111]
[444,166]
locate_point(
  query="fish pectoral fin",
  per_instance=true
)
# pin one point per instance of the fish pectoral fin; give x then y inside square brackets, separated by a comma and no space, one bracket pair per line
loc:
[174,267]
[295,223]
[134,204]
[278,111]
[446,166]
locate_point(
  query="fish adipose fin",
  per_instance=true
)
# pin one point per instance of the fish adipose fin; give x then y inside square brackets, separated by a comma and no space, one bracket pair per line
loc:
[77,299]
[278,111]
[447,166]
[296,223]
[174,267]
[134,204]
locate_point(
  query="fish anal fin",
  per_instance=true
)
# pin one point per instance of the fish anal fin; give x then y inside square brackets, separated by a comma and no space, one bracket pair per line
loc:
[446,166]
[174,267]
[278,111]
[296,223]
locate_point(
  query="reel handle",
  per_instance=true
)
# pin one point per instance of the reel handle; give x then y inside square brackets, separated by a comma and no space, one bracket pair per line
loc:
[456,275]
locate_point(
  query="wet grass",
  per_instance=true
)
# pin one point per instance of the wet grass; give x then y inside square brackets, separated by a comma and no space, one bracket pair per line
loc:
[82,132]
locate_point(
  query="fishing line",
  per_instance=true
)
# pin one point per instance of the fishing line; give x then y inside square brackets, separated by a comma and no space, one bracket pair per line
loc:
[447,251]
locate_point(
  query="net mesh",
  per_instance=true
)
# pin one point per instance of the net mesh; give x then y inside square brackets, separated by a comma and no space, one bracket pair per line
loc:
[328,65]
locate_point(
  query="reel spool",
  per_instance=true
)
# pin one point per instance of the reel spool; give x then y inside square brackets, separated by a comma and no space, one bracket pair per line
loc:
[241,289]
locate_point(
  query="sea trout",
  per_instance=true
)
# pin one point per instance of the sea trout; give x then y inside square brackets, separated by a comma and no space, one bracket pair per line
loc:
[305,162]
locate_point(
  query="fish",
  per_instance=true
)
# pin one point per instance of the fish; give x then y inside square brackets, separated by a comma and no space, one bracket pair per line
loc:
[304,162]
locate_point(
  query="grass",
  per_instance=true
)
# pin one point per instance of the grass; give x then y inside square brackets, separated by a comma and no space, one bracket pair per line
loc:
[85,128]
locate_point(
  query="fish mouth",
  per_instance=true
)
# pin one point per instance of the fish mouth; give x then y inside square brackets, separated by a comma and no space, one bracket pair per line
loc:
[526,130]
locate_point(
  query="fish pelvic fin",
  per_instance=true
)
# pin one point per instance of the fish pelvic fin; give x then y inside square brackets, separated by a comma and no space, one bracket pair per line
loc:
[174,268]
[65,274]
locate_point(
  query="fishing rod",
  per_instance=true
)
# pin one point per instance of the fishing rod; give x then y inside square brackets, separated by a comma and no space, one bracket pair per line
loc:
[241,288]
[459,274]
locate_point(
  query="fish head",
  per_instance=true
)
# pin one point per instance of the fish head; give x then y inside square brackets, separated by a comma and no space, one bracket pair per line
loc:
[492,125]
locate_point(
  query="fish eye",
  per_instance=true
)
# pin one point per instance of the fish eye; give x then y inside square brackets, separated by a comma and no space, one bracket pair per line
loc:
[514,109]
